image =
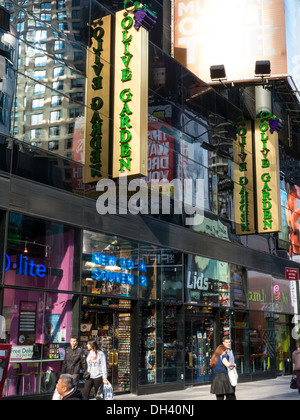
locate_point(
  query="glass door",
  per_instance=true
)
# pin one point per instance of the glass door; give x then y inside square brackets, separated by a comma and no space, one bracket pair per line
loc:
[114,340]
[111,327]
[199,350]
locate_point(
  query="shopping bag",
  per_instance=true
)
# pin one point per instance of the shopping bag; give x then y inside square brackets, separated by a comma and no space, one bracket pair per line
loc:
[293,384]
[233,376]
[105,392]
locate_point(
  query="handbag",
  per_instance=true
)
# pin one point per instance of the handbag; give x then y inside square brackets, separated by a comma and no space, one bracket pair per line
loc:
[293,384]
[86,375]
[233,376]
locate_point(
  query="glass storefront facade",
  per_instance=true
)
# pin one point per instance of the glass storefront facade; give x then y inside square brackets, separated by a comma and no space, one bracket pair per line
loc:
[168,308]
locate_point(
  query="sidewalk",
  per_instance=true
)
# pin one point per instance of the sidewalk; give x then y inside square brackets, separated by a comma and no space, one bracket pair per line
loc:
[271,389]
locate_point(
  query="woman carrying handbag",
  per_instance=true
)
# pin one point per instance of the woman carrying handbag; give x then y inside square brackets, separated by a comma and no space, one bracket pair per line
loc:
[96,372]
[221,385]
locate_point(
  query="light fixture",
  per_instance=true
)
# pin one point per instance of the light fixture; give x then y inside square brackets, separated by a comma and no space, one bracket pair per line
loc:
[218,72]
[263,68]
[25,248]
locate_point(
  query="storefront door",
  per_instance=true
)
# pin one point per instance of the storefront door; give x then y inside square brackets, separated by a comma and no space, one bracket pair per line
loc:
[199,349]
[111,327]
[114,340]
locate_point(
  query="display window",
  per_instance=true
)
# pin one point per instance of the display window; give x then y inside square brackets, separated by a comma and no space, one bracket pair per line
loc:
[39,254]
[215,283]
[110,266]
[199,345]
[164,271]
[283,344]
[38,326]
[262,343]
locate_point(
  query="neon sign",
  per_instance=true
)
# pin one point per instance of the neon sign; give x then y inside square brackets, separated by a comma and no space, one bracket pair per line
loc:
[25,267]
[114,263]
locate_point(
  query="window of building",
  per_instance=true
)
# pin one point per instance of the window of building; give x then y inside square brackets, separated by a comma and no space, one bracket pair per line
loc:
[55,116]
[37,119]
[56,100]
[54,131]
[38,103]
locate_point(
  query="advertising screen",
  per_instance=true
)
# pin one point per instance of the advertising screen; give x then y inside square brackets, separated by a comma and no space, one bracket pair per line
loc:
[235,33]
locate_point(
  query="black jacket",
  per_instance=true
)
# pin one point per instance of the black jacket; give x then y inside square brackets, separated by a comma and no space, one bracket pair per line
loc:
[74,395]
[74,361]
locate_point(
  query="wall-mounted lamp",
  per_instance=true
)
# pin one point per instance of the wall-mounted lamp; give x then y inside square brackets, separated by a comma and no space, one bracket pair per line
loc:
[263,68]
[218,72]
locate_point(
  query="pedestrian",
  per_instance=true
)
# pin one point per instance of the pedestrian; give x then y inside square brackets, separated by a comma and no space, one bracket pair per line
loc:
[221,385]
[66,390]
[227,343]
[96,372]
[74,360]
[296,364]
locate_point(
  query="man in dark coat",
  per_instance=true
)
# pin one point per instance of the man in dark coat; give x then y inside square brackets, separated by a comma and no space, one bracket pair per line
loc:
[74,360]
[66,389]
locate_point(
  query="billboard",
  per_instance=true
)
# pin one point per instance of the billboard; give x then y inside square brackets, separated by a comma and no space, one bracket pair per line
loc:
[235,33]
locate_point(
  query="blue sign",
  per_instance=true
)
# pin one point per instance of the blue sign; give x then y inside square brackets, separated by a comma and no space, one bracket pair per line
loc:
[25,267]
[117,263]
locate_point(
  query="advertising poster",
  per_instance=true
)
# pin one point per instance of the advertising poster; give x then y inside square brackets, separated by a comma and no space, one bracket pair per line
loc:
[53,328]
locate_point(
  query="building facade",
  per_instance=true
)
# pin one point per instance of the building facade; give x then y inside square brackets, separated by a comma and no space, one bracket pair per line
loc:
[157,293]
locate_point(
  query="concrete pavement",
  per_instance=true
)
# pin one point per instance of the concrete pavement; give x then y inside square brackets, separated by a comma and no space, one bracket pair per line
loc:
[271,389]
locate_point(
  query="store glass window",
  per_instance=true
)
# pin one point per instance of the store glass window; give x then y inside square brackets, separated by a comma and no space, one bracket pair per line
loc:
[262,342]
[38,326]
[284,296]
[260,291]
[39,254]
[150,343]
[163,273]
[173,343]
[201,281]
[110,265]
[283,344]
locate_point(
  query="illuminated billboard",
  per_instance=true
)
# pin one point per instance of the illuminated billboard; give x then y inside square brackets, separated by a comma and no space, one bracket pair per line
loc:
[235,33]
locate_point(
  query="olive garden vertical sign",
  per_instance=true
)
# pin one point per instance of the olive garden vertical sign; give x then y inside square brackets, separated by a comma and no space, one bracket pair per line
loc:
[131,98]
[267,178]
[243,178]
[96,145]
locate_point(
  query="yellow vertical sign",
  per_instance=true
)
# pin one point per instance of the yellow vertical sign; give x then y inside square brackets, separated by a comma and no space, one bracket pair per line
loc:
[96,146]
[131,98]
[267,178]
[243,179]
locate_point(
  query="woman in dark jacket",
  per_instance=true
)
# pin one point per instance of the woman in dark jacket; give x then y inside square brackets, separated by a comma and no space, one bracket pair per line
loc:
[221,385]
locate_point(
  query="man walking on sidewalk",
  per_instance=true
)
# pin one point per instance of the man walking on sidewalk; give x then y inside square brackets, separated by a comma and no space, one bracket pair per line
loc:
[227,343]
[74,360]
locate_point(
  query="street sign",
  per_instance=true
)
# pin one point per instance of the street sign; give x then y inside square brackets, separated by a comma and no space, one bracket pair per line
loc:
[291,273]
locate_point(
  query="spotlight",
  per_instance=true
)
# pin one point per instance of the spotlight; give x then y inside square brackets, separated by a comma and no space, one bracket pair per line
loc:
[217,72]
[263,68]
